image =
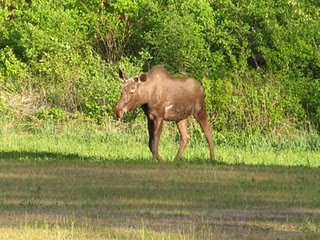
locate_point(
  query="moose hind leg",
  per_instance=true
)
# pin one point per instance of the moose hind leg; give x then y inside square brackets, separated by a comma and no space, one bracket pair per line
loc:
[206,128]
[183,129]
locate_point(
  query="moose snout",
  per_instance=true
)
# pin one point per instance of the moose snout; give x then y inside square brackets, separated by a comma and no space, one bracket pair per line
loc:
[119,112]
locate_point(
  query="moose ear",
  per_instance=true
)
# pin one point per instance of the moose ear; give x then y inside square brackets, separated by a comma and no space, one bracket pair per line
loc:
[143,77]
[122,75]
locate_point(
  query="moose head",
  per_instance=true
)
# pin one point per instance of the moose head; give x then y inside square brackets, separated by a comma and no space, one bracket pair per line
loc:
[130,96]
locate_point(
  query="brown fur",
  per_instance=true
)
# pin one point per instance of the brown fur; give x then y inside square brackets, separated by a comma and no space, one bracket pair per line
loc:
[165,98]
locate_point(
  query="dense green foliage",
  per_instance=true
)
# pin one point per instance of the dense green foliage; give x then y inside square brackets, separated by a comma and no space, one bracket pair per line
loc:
[258,60]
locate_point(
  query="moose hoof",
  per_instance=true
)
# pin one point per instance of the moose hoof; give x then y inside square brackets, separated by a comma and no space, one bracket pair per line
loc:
[157,159]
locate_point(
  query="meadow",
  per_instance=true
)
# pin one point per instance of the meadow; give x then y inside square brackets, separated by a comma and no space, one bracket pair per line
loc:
[84,181]
[69,171]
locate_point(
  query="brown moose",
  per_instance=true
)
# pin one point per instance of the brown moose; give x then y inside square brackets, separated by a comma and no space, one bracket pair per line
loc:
[163,97]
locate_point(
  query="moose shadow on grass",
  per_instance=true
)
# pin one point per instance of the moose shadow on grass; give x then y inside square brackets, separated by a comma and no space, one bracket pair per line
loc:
[44,155]
[59,156]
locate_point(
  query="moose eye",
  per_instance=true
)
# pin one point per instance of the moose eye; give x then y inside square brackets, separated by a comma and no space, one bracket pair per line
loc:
[132,90]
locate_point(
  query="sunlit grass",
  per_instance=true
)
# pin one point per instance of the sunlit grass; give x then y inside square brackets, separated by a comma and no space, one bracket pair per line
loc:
[118,141]
[56,232]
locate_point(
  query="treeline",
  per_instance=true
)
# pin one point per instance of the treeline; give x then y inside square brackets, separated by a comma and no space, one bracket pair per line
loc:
[258,60]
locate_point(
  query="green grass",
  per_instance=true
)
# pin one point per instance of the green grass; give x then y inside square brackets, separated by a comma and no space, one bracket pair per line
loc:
[82,181]
[118,141]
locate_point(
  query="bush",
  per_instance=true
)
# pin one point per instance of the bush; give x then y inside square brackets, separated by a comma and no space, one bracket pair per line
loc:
[259,61]
[253,102]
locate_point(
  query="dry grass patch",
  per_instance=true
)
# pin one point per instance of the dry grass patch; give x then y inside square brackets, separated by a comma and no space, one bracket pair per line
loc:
[121,200]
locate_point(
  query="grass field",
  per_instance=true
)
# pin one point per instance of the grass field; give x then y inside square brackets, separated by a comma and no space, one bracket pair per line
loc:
[84,182]
[137,200]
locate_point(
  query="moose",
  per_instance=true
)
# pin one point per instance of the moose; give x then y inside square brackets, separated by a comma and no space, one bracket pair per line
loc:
[163,97]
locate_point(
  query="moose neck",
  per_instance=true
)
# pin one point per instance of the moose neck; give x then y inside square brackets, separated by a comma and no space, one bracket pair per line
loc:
[144,93]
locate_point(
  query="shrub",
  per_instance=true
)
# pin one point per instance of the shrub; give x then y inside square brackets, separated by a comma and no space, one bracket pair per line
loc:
[259,60]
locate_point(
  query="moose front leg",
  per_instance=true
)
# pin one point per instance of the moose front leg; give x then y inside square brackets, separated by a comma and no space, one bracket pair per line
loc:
[150,122]
[151,133]
[158,124]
